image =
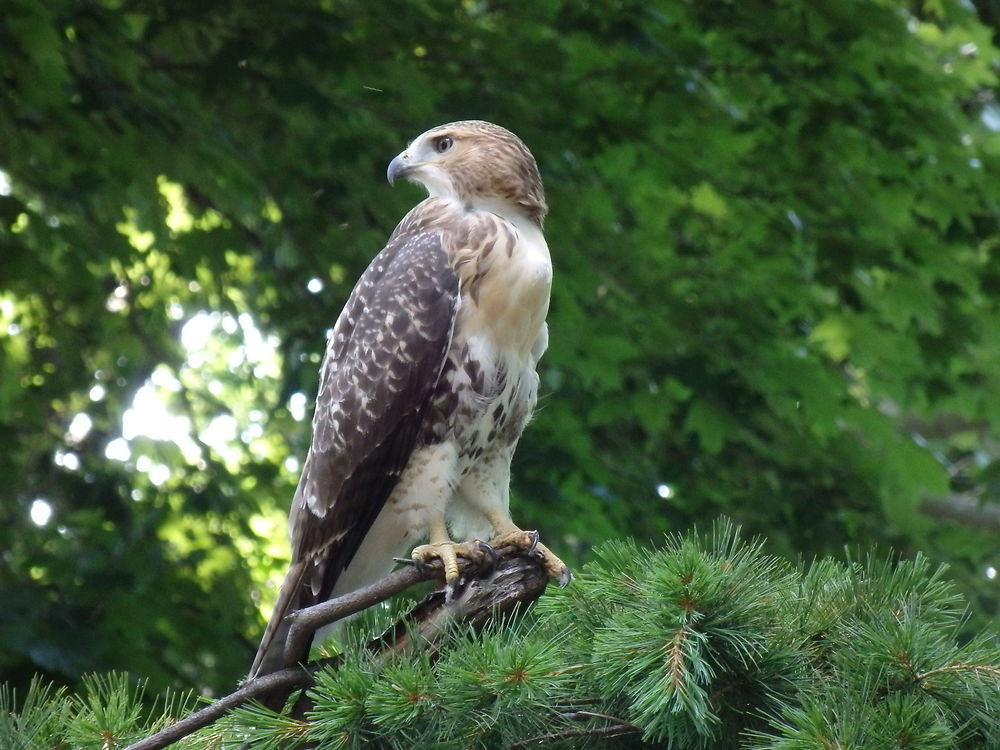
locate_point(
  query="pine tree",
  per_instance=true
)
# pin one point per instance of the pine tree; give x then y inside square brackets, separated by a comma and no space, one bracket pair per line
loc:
[708,642]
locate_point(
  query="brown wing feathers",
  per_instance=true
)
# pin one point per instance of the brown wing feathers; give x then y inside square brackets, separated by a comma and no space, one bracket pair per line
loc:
[381,367]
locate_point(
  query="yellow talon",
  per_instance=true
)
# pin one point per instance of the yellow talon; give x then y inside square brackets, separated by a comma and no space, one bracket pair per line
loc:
[528,542]
[448,553]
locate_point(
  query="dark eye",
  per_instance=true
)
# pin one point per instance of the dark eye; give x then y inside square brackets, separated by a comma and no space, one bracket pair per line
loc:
[443,143]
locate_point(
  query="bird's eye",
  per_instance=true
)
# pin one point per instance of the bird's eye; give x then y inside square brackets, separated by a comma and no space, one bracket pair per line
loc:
[443,143]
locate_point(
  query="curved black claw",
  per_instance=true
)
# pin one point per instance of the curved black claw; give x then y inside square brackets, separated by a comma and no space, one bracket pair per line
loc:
[418,564]
[450,589]
[565,577]
[490,553]
[534,543]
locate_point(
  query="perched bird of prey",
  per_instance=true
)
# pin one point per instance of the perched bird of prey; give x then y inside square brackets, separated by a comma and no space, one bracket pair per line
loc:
[428,379]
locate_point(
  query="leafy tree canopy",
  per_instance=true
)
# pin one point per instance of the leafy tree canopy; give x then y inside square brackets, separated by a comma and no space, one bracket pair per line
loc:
[774,227]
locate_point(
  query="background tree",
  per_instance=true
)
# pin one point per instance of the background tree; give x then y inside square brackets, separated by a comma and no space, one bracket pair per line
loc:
[775,235]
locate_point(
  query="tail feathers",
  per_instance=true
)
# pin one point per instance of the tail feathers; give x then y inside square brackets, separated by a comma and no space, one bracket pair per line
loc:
[271,653]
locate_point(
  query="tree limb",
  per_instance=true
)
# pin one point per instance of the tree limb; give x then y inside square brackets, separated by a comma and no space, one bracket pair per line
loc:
[305,622]
[291,678]
[965,509]
[514,579]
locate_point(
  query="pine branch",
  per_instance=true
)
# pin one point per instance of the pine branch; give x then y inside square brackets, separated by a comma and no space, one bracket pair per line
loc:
[706,644]
[675,658]
[514,579]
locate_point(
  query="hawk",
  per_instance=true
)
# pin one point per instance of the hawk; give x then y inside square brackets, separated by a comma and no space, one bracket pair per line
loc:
[428,380]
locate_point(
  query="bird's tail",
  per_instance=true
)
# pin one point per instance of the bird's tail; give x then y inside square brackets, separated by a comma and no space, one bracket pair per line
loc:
[270,654]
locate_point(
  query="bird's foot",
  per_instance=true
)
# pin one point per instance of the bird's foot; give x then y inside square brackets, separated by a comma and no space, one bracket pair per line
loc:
[449,552]
[527,541]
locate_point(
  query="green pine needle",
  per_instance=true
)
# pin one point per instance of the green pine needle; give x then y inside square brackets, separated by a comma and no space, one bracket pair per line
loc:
[707,643]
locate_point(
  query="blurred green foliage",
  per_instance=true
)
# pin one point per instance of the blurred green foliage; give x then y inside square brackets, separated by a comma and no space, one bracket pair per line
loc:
[774,227]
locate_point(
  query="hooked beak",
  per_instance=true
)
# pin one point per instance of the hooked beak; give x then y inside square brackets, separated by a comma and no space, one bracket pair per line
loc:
[398,167]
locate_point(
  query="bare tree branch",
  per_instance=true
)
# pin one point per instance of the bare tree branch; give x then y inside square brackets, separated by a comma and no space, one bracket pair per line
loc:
[965,509]
[305,622]
[514,579]
[292,678]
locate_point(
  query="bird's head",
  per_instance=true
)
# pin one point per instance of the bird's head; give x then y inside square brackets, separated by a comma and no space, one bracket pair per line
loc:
[477,163]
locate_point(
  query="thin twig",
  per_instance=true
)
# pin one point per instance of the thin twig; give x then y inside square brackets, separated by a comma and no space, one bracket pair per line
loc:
[615,730]
[620,727]
[593,715]
[965,666]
